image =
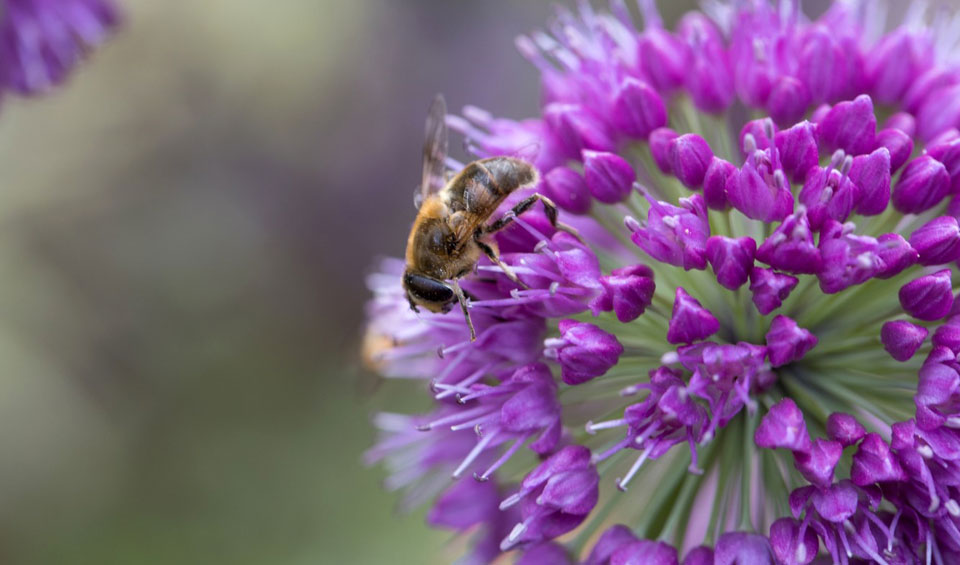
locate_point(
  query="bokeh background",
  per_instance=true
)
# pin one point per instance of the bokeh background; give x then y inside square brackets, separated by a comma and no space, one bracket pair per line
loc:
[185,229]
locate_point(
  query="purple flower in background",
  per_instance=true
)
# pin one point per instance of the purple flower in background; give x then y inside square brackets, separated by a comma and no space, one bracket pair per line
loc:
[749,354]
[42,40]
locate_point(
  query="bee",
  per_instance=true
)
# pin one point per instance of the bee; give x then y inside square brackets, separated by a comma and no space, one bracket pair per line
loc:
[451,231]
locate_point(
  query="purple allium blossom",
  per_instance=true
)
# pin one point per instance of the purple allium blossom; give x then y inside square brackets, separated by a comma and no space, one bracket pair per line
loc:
[42,40]
[732,360]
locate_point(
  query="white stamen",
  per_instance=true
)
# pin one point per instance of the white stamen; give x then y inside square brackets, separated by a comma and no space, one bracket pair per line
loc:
[953,508]
[622,483]
[510,501]
[593,427]
[845,166]
[779,178]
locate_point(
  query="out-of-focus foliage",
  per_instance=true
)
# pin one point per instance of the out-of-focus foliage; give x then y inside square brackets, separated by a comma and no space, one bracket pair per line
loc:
[185,228]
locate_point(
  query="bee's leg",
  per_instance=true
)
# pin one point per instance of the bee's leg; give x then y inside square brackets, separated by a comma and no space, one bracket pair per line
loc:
[548,207]
[493,256]
[462,299]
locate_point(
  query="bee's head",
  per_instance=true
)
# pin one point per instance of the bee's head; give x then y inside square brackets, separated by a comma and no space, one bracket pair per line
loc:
[433,294]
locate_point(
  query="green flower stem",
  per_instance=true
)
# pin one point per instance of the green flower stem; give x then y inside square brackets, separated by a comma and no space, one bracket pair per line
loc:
[746,474]
[683,505]
[728,458]
[658,508]
[597,519]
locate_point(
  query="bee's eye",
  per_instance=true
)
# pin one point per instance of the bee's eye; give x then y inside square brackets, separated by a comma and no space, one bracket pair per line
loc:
[427,289]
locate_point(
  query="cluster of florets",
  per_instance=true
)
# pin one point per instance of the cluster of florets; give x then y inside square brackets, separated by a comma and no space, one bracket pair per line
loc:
[728,316]
[42,40]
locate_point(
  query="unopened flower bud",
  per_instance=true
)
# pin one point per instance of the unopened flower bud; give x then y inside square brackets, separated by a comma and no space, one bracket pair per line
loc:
[609,177]
[901,338]
[928,297]
[922,185]
[690,155]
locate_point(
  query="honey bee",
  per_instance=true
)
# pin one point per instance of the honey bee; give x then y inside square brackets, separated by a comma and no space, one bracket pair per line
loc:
[450,232]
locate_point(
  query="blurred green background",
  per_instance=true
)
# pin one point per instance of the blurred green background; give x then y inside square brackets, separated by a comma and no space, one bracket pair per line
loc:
[185,229]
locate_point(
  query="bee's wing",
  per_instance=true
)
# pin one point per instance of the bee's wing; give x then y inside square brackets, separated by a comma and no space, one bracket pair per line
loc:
[435,149]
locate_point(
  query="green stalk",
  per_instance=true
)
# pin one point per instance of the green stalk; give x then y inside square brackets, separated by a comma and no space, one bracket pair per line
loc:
[746,485]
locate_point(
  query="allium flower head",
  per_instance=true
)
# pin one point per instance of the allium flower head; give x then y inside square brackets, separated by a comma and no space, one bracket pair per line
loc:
[750,353]
[42,40]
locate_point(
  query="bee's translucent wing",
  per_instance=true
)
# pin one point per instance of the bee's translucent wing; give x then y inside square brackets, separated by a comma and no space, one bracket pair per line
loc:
[434,149]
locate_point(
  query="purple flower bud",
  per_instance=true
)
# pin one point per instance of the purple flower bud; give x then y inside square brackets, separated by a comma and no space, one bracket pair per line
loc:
[690,321]
[663,58]
[734,548]
[836,503]
[844,428]
[850,126]
[583,350]
[948,335]
[902,121]
[848,259]
[770,288]
[464,504]
[638,109]
[875,463]
[689,158]
[609,177]
[895,62]
[938,390]
[871,175]
[700,555]
[821,64]
[534,407]
[567,188]
[896,254]
[709,79]
[675,235]
[787,545]
[715,180]
[557,496]
[899,144]
[788,101]
[922,185]
[790,248]
[731,259]
[948,153]
[627,291]
[927,83]
[660,139]
[760,190]
[612,539]
[576,129]
[928,297]
[763,132]
[544,553]
[939,111]
[645,552]
[788,342]
[937,241]
[820,112]
[829,194]
[798,150]
[901,338]
[783,427]
[817,464]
